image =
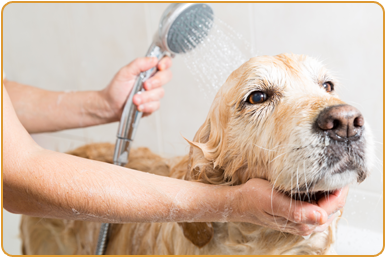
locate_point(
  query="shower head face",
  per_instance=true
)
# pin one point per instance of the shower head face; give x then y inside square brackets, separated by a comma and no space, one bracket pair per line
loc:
[184,26]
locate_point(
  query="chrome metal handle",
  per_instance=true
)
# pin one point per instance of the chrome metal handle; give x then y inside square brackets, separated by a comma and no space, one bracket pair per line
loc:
[131,116]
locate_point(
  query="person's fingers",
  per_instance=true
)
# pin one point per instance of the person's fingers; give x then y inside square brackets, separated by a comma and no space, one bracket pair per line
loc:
[136,67]
[146,114]
[148,96]
[304,229]
[159,79]
[297,211]
[331,218]
[149,107]
[286,225]
[334,201]
[165,63]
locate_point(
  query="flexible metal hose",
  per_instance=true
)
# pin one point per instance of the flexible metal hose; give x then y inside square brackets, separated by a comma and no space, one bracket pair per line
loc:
[102,239]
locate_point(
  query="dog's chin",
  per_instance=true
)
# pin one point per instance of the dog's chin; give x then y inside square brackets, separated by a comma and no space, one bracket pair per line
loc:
[325,186]
[336,181]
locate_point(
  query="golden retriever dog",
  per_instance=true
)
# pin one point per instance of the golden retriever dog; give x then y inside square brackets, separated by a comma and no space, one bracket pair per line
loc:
[277,118]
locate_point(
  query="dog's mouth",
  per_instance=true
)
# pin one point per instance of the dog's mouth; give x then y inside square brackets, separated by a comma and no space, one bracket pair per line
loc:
[311,197]
[343,165]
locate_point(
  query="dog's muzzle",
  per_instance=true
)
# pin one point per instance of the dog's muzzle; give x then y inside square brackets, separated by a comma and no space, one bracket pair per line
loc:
[344,126]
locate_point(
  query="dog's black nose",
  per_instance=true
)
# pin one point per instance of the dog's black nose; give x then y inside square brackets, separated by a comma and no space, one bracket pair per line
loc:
[342,122]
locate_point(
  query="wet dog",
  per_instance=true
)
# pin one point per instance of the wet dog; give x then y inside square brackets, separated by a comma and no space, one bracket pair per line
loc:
[276,118]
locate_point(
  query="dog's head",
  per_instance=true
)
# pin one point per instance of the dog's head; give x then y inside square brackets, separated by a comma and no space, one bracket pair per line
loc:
[279,118]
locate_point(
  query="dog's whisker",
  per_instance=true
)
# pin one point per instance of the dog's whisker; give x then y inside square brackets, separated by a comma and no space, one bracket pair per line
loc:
[378,142]
[263,148]
[276,148]
[305,181]
[378,164]
[297,185]
[290,202]
[277,224]
[279,156]
[273,188]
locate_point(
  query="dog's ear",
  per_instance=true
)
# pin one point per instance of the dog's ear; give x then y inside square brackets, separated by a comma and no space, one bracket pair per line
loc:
[207,155]
[199,233]
[215,150]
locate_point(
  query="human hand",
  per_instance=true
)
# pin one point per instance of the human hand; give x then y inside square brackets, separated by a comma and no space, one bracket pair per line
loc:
[116,93]
[332,204]
[260,204]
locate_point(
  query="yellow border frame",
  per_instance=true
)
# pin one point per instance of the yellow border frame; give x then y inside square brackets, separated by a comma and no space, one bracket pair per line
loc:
[309,2]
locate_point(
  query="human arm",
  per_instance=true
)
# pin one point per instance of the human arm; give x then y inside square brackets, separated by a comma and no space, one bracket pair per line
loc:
[43,111]
[44,183]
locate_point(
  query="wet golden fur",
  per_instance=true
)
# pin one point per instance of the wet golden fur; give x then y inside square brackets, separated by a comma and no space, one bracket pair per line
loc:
[236,142]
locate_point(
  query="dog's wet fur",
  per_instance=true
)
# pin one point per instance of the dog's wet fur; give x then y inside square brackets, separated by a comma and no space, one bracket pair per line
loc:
[277,118]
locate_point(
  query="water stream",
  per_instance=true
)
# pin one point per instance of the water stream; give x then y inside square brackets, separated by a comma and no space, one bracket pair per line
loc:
[214,54]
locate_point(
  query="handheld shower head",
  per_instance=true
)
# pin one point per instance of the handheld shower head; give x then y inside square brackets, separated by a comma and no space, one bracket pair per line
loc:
[182,27]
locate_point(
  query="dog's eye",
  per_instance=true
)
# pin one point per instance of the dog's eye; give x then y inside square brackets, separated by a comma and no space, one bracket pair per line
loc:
[257,97]
[328,86]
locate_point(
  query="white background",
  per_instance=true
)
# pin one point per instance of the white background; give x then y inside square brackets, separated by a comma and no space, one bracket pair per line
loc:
[81,46]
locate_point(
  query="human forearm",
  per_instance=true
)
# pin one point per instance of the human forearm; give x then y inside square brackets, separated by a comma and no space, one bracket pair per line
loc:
[63,186]
[42,111]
